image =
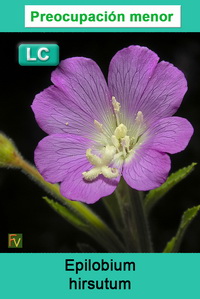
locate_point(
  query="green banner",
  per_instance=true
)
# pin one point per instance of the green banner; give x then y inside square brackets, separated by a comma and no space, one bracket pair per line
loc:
[13,16]
[68,275]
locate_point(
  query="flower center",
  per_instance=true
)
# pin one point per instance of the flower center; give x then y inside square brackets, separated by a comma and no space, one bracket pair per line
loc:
[118,147]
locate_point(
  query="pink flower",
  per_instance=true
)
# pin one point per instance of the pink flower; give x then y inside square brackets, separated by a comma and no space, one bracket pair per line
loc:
[99,132]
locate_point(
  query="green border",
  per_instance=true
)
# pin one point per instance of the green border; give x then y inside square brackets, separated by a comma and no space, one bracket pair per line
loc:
[12,16]
[42,275]
[157,276]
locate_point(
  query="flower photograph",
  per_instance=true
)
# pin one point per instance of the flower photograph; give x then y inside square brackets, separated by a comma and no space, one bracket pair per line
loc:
[100,153]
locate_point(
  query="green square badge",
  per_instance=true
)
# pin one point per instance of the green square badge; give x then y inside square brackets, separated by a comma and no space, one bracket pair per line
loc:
[15,240]
[38,54]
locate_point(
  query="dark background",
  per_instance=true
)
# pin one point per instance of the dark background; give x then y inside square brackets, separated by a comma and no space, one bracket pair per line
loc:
[22,209]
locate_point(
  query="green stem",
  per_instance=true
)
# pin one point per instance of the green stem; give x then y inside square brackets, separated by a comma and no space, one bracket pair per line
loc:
[135,226]
[98,229]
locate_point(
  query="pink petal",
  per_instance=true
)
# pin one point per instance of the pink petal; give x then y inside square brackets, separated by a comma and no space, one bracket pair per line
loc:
[56,113]
[82,81]
[62,158]
[140,84]
[129,73]
[164,92]
[147,170]
[75,187]
[171,134]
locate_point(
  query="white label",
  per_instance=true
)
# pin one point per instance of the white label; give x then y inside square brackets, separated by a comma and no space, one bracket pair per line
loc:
[102,16]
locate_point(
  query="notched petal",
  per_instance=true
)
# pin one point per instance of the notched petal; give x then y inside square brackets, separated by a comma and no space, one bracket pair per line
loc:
[170,135]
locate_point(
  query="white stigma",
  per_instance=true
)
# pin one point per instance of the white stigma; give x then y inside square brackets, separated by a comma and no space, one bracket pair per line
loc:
[115,141]
[109,172]
[93,159]
[114,149]
[101,164]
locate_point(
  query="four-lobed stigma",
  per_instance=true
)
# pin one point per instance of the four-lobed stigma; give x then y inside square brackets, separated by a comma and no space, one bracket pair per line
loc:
[118,147]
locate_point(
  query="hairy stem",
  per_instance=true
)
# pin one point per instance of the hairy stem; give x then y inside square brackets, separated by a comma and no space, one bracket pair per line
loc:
[135,227]
[97,228]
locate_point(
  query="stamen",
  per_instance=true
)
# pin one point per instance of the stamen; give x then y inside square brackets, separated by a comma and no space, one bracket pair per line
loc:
[138,122]
[66,124]
[98,125]
[115,141]
[108,154]
[132,141]
[126,142]
[117,158]
[120,131]
[114,149]
[139,118]
[116,106]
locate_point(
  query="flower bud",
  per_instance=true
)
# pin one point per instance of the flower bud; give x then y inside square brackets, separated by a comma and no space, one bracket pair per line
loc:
[9,156]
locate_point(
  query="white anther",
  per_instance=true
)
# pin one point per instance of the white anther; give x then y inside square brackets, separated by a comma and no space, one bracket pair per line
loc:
[98,125]
[139,117]
[115,141]
[120,131]
[92,174]
[109,172]
[138,125]
[93,159]
[116,105]
[66,124]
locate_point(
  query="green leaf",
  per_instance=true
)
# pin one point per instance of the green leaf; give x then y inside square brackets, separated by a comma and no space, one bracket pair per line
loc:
[66,213]
[174,244]
[78,214]
[93,226]
[153,196]
[125,206]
